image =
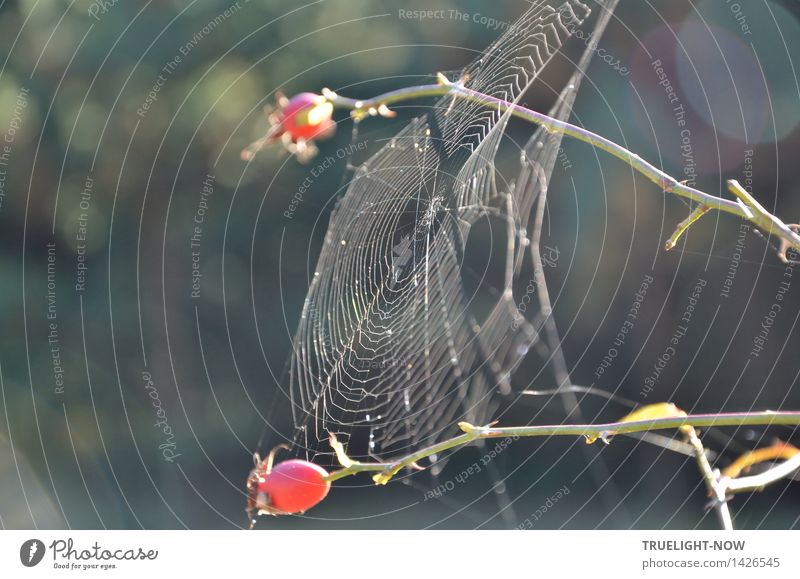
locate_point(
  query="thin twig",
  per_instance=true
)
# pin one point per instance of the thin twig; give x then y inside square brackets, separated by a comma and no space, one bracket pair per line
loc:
[597,469]
[696,214]
[711,477]
[745,206]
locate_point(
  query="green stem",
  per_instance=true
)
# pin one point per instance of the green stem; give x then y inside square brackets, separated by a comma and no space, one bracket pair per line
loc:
[386,470]
[746,208]
[389,469]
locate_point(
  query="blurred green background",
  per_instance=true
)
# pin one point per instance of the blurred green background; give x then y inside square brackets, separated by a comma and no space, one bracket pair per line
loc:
[108,146]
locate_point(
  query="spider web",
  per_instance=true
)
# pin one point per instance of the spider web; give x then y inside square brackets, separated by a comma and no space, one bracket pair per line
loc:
[389,354]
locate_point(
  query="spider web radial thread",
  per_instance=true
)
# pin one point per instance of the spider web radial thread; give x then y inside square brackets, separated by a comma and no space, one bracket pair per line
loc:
[387,355]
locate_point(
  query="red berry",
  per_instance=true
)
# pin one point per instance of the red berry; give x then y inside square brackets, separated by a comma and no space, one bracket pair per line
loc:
[296,122]
[292,486]
[308,116]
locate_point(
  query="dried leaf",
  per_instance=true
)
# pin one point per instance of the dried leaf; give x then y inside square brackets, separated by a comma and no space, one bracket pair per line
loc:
[341,455]
[778,451]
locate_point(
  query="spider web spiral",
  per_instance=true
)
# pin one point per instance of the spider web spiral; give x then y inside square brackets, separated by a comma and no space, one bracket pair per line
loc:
[388,354]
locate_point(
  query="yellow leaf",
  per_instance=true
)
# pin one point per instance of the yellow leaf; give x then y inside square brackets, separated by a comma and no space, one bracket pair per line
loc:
[384,477]
[779,450]
[647,412]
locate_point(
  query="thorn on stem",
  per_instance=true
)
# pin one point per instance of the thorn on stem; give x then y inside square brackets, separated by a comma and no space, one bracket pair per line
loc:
[605,436]
[386,112]
[442,80]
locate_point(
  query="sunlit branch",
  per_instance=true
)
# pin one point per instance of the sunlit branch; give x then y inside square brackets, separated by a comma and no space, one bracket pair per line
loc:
[745,205]
[386,470]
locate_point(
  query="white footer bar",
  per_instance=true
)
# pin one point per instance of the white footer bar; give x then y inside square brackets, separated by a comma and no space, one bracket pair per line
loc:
[389,554]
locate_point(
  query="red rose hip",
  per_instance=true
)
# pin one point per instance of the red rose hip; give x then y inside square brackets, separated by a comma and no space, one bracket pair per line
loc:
[296,122]
[307,116]
[289,487]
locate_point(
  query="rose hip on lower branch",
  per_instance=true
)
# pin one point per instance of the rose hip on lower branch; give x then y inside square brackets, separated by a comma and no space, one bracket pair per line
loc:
[290,487]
